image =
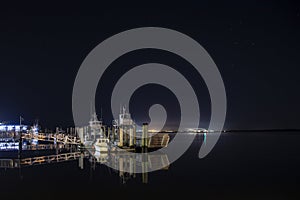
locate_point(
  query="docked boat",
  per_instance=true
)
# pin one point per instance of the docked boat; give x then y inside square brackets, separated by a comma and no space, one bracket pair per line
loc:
[101,145]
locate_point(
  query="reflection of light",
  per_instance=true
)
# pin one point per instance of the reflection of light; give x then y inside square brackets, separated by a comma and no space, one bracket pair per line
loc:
[11,145]
[169,131]
[152,131]
[35,141]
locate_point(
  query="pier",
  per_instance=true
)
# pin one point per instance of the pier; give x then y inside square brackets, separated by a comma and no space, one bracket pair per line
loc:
[39,160]
[52,137]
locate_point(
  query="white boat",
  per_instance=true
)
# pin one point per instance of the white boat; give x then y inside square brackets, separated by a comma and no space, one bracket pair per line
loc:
[101,145]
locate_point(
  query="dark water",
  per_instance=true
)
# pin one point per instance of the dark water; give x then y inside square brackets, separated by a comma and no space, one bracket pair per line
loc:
[241,166]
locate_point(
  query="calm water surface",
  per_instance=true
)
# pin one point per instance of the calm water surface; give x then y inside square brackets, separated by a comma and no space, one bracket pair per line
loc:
[241,166]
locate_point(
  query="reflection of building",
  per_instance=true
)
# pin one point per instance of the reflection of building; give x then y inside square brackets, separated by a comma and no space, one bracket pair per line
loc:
[43,159]
[129,164]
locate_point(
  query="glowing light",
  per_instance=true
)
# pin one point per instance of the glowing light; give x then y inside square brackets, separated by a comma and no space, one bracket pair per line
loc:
[152,131]
[12,127]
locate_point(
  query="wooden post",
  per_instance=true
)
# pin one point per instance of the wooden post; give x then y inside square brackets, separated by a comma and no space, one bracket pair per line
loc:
[134,135]
[131,140]
[20,144]
[121,137]
[145,135]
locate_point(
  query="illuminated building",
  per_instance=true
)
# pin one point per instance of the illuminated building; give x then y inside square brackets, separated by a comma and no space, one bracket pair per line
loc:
[5,128]
[145,135]
[125,129]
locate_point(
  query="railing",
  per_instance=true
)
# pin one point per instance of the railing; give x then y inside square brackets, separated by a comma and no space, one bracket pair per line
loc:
[159,140]
[17,163]
[56,138]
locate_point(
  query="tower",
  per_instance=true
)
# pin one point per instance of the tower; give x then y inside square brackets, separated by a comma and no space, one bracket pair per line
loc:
[126,129]
[145,135]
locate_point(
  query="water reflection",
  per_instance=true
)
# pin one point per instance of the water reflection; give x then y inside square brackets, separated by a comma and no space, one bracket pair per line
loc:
[126,164]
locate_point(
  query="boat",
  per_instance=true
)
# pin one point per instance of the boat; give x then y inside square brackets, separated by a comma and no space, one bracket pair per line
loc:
[101,145]
[89,134]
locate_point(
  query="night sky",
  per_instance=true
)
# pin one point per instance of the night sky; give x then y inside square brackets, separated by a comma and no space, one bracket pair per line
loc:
[255,45]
